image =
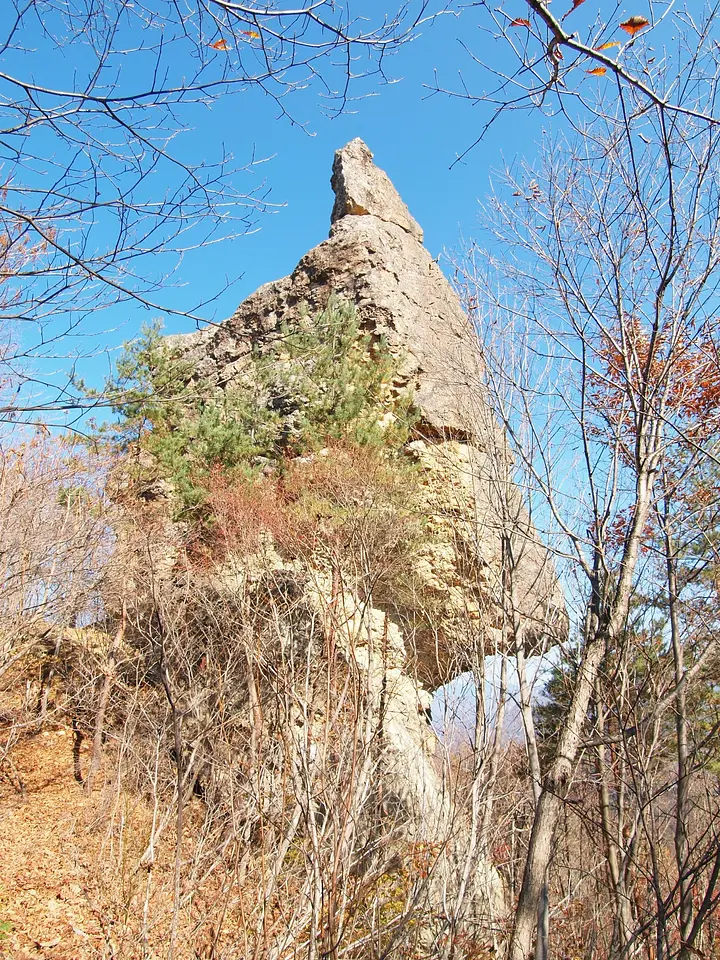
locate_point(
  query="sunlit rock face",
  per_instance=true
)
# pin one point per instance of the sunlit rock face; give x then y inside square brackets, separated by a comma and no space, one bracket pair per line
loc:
[375,259]
[481,551]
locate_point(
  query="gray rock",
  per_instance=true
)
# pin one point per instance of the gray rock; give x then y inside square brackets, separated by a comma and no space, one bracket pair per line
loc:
[375,259]
[362,189]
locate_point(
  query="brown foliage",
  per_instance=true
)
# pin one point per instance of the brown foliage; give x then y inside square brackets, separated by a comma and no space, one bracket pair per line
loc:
[327,503]
[680,375]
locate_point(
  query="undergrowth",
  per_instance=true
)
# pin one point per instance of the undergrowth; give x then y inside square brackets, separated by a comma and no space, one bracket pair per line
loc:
[320,381]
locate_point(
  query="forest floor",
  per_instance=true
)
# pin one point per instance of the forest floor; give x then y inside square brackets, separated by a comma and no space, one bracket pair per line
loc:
[50,902]
[75,881]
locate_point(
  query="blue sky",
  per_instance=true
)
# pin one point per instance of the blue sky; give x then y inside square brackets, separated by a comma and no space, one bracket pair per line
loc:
[416,137]
[453,707]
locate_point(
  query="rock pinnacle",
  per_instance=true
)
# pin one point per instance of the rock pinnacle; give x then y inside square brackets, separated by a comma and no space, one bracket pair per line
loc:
[362,189]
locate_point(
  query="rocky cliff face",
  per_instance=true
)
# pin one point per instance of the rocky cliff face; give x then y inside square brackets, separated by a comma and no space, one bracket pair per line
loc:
[374,258]
[484,573]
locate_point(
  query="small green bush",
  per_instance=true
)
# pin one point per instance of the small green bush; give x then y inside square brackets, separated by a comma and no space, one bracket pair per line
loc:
[330,382]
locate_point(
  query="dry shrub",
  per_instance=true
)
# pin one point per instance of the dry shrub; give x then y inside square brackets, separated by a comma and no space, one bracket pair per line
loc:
[349,502]
[346,500]
[57,537]
[240,510]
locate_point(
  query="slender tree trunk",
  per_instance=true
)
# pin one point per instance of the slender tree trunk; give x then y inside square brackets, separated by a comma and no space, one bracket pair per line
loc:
[605,622]
[96,755]
[682,802]
[543,908]
[624,920]
[179,820]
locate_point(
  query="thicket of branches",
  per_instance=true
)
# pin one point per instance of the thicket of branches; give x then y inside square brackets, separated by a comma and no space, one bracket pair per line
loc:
[605,377]
[210,691]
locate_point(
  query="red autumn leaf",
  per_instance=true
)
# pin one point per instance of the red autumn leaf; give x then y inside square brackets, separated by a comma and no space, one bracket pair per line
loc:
[576,4]
[220,45]
[633,25]
[597,72]
[253,34]
[608,45]
[520,22]
[691,390]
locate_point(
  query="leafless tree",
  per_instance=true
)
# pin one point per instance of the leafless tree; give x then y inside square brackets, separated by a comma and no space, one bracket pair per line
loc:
[102,190]
[55,536]
[663,58]
[608,270]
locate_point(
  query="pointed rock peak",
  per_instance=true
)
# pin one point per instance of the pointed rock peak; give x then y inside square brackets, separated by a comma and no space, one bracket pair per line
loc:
[362,189]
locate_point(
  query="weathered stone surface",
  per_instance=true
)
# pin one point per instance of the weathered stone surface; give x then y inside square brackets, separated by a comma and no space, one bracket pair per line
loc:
[399,292]
[362,189]
[325,624]
[375,259]
[477,517]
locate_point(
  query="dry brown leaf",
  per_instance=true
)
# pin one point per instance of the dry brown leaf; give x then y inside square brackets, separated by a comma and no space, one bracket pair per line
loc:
[48,944]
[597,72]
[220,45]
[576,4]
[520,22]
[633,25]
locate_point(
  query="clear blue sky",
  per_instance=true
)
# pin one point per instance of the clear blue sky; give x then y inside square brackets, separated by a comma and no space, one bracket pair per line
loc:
[415,136]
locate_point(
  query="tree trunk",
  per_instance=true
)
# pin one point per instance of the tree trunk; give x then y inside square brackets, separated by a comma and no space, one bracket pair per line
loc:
[682,802]
[606,618]
[624,919]
[180,768]
[543,908]
[96,756]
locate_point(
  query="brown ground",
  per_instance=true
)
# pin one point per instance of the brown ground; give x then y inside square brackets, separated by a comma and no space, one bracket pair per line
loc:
[49,897]
[72,883]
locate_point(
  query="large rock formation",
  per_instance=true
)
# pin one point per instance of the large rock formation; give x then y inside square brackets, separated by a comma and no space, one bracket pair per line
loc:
[483,568]
[483,572]
[486,557]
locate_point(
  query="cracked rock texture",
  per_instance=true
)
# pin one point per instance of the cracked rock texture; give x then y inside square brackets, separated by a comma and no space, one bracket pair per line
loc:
[375,259]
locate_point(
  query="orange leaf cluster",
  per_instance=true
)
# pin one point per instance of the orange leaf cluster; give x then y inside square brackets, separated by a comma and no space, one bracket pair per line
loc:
[222,43]
[617,531]
[683,375]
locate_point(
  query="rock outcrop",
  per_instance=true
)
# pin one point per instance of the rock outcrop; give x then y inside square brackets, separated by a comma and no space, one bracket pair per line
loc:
[375,259]
[483,556]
